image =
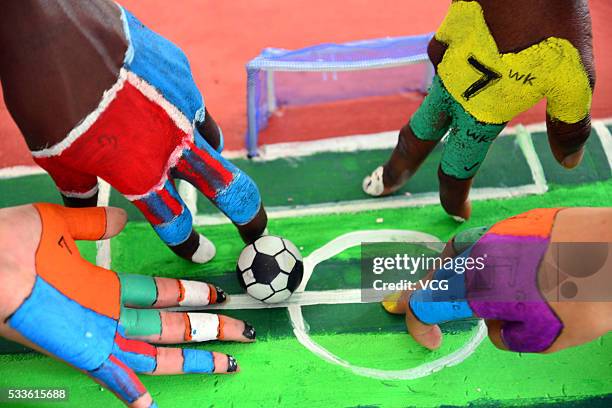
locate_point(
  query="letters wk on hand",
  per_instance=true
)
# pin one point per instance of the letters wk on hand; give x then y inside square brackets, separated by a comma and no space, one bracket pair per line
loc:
[518,76]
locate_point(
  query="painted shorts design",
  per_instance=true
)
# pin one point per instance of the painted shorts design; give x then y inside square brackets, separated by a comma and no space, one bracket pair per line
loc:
[505,289]
[143,134]
[468,140]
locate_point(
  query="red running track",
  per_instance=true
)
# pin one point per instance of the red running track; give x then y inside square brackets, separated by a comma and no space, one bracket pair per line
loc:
[221,36]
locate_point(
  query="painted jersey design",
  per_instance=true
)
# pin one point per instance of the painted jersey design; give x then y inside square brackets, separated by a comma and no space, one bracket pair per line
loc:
[142,134]
[505,289]
[496,87]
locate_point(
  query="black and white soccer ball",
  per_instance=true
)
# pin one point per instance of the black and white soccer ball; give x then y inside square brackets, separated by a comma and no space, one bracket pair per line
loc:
[270,269]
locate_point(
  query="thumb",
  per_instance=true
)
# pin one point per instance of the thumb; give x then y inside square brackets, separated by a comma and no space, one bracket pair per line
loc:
[427,335]
[494,328]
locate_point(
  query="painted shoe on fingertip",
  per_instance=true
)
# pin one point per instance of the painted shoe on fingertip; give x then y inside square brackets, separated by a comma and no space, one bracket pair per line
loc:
[206,251]
[373,184]
[249,331]
[232,364]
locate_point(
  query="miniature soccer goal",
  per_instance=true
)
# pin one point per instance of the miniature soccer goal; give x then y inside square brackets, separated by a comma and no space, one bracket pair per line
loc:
[333,72]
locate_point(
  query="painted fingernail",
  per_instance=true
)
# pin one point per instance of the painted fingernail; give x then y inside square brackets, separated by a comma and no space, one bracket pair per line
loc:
[232,365]
[221,296]
[573,159]
[249,331]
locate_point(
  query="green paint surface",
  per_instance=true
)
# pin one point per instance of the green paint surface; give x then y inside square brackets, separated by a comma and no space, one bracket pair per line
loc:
[281,372]
[338,176]
[278,371]
[26,190]
[594,165]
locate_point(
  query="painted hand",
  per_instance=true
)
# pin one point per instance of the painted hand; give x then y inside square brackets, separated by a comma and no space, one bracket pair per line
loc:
[519,290]
[98,321]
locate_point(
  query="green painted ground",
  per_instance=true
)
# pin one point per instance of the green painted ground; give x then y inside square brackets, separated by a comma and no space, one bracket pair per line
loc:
[278,371]
[333,177]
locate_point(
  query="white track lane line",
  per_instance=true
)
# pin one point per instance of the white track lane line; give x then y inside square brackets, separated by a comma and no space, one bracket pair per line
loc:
[533,161]
[605,138]
[103,248]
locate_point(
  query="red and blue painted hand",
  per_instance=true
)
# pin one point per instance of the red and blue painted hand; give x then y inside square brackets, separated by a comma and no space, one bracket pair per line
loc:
[151,127]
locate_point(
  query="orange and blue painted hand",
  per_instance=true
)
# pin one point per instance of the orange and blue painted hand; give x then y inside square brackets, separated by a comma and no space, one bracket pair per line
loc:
[96,320]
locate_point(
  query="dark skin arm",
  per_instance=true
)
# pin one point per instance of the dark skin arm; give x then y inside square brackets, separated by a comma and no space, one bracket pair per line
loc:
[48,99]
[514,28]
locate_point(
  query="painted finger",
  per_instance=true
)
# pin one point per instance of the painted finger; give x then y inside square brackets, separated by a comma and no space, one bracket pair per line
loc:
[93,223]
[174,327]
[428,307]
[567,140]
[494,328]
[145,291]
[145,358]
[396,303]
[454,195]
[438,306]
[466,238]
[118,377]
[429,336]
[190,361]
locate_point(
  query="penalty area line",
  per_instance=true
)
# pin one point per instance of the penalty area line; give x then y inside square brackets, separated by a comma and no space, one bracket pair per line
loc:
[373,204]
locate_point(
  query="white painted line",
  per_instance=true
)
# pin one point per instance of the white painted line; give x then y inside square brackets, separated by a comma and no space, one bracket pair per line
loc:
[189,194]
[605,138]
[351,239]
[103,248]
[340,144]
[373,204]
[535,165]
[343,144]
[535,127]
[244,302]
[301,331]
[87,194]
[104,193]
[20,171]
[606,121]
[351,296]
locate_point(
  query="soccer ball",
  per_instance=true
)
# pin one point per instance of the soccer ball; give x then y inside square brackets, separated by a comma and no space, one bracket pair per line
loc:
[270,269]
